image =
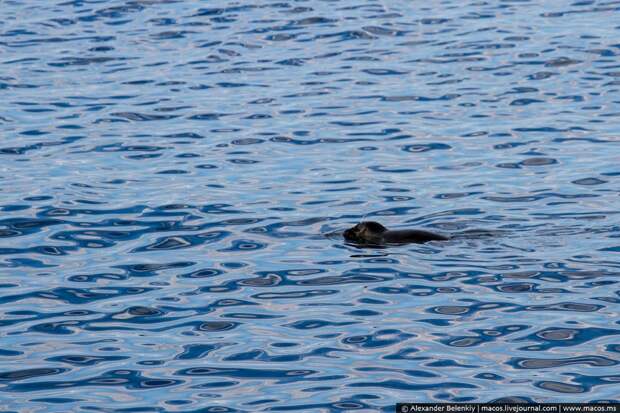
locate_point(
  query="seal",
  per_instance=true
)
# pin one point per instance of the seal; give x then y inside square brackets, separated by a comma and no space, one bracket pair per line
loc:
[373,233]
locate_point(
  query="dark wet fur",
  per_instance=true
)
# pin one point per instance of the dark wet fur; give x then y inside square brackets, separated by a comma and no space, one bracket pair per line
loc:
[373,233]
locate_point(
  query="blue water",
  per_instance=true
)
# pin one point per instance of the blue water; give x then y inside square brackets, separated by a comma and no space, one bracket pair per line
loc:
[175,177]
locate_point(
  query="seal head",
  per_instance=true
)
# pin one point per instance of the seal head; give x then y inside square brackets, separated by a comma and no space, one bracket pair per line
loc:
[368,232]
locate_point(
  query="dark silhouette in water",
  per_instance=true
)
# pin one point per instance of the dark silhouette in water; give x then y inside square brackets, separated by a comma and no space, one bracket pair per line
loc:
[373,233]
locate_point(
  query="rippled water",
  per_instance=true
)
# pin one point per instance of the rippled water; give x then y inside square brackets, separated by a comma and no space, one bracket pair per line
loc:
[175,176]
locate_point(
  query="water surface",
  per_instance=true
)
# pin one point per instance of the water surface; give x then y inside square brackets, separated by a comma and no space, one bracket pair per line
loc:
[174,176]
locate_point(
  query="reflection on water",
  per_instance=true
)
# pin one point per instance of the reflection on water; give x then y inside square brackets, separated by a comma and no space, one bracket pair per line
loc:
[176,176]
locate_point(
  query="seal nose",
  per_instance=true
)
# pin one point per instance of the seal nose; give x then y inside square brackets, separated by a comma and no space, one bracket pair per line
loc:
[349,234]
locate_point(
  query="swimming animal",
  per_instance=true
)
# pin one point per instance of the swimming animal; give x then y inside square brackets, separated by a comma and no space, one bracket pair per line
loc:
[373,233]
